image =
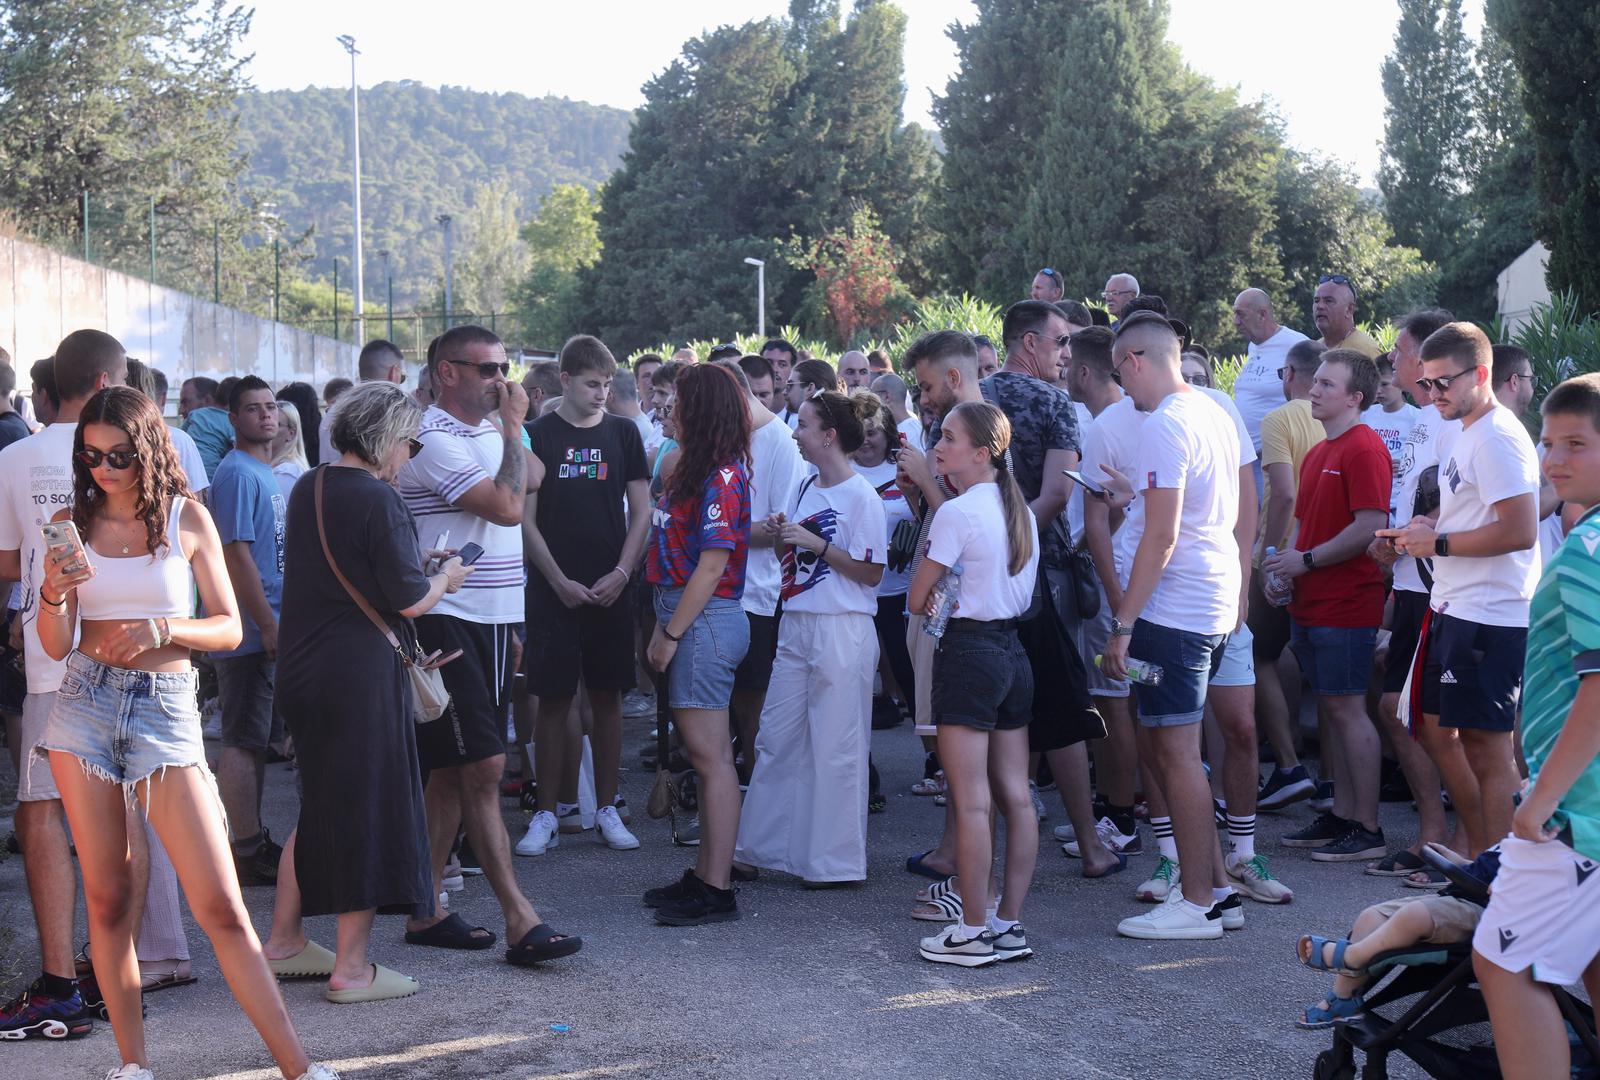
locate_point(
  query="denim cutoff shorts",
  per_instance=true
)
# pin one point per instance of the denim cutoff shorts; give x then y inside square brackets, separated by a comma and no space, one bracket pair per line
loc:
[1188,661]
[1337,660]
[701,673]
[122,725]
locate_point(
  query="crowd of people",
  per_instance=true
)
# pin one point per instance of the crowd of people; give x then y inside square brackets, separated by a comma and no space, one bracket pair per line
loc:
[1066,556]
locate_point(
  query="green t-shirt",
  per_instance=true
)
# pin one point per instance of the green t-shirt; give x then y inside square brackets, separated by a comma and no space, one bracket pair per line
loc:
[1563,647]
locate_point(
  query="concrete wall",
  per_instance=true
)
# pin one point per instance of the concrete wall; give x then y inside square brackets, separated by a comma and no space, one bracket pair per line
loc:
[1521,286]
[45,295]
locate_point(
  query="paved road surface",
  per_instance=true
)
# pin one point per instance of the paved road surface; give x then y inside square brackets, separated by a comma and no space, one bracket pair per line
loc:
[818,984]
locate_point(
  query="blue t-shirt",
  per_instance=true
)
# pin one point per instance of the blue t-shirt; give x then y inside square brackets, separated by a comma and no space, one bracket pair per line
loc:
[248,507]
[212,433]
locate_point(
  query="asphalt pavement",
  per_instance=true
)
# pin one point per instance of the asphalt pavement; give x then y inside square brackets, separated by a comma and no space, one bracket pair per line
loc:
[806,983]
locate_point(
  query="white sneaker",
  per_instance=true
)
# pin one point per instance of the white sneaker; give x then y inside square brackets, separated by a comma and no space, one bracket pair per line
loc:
[1251,877]
[453,882]
[1115,840]
[1160,884]
[1038,803]
[131,1071]
[542,835]
[949,947]
[1065,833]
[1174,920]
[613,833]
[320,1072]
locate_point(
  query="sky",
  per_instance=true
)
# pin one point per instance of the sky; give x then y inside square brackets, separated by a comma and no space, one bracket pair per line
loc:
[1317,64]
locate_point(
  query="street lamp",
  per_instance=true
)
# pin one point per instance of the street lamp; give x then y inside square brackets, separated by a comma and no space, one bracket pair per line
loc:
[761,295]
[449,272]
[349,44]
[389,288]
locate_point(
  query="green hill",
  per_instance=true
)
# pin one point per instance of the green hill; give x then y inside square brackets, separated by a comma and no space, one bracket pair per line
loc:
[422,152]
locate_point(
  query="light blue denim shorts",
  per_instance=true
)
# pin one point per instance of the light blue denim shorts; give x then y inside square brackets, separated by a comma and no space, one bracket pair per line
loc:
[701,673]
[122,725]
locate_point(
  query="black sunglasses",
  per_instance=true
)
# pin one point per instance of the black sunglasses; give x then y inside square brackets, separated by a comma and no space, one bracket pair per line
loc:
[1338,279]
[487,369]
[1442,383]
[415,446]
[1061,342]
[117,459]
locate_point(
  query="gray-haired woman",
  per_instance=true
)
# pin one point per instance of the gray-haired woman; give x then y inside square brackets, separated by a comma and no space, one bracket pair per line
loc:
[362,841]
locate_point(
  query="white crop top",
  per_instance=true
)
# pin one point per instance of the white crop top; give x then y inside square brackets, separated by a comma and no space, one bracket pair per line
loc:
[140,586]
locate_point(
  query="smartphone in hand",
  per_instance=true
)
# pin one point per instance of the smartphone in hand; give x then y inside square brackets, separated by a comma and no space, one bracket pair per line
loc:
[63,536]
[1084,482]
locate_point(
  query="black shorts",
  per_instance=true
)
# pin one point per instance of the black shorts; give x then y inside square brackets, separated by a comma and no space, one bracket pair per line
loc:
[1269,624]
[1405,630]
[982,680]
[473,727]
[1063,711]
[564,643]
[1472,674]
[755,670]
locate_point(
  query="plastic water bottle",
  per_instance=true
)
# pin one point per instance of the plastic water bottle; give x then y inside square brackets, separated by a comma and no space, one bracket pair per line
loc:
[1142,672]
[1278,591]
[945,595]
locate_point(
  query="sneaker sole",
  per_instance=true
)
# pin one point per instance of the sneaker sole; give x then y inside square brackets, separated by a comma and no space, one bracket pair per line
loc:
[696,920]
[1287,796]
[1260,898]
[686,843]
[529,854]
[1187,933]
[959,959]
[620,847]
[51,1029]
[1008,955]
[1349,856]
[1306,843]
[1321,806]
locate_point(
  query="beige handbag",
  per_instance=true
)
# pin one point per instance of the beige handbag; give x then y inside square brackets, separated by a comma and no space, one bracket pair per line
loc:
[428,694]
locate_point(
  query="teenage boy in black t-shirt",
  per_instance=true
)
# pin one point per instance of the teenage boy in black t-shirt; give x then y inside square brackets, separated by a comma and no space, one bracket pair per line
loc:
[585,531]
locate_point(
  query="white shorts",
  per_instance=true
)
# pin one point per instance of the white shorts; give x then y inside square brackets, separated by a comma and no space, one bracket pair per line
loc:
[1544,912]
[1090,637]
[1238,660]
[37,783]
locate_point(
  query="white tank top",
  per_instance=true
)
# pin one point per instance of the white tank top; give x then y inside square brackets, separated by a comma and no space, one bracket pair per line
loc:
[141,586]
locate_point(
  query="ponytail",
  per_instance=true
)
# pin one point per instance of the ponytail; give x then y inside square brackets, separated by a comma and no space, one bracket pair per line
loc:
[1019,522]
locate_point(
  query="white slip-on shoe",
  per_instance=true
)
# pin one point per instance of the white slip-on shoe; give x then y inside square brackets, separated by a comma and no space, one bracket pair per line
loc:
[542,835]
[1174,920]
[612,832]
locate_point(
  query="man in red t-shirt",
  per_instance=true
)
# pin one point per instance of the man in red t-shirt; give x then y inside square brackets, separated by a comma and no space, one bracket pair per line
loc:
[1338,599]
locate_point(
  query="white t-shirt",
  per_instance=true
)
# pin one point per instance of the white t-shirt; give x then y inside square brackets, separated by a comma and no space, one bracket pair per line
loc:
[970,531]
[35,482]
[1489,461]
[454,457]
[1189,443]
[895,510]
[1258,389]
[911,428]
[286,473]
[1392,428]
[1431,436]
[194,466]
[1075,501]
[1113,439]
[776,469]
[850,516]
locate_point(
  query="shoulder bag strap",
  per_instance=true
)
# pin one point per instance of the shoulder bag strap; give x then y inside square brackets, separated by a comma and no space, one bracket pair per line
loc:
[361,602]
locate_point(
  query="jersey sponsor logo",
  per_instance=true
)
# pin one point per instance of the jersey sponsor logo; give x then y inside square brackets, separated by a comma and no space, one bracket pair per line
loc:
[726,474]
[714,512]
[1507,938]
[1448,678]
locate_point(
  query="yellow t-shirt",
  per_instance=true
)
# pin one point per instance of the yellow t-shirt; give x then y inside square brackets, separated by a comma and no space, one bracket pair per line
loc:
[1363,343]
[1287,435]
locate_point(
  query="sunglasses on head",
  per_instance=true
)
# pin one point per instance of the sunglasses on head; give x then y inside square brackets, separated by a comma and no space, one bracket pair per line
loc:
[1442,383]
[1338,279]
[117,459]
[1049,273]
[487,369]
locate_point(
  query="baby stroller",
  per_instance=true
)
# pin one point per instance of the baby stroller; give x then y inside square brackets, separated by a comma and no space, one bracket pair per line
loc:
[1427,1006]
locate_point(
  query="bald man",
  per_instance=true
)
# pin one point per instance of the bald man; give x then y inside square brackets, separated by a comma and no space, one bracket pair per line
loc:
[1120,288]
[854,371]
[1259,388]
[1333,309]
[892,389]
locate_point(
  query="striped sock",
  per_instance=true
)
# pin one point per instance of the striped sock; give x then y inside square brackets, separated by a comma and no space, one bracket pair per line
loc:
[1162,827]
[1242,836]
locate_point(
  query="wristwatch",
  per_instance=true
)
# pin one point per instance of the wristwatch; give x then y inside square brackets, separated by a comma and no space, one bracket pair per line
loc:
[1441,545]
[1311,563]
[1120,628]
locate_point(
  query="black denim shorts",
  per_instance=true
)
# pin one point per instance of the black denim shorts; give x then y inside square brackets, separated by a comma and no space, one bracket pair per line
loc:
[982,679]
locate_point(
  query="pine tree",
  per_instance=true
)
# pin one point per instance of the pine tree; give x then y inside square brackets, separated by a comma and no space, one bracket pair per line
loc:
[1428,83]
[1556,44]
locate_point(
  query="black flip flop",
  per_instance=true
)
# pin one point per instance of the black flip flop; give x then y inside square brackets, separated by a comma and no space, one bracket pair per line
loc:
[542,943]
[915,865]
[452,932]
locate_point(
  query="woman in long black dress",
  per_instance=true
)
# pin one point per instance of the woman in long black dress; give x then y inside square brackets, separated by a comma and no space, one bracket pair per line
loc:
[362,841]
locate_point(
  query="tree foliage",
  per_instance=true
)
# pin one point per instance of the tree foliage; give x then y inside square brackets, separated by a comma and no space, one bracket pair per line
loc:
[562,239]
[755,134]
[1428,85]
[493,256]
[1556,45]
[857,293]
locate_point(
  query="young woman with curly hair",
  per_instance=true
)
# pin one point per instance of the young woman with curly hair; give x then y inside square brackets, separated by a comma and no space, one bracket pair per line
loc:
[696,562]
[126,723]
[806,811]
